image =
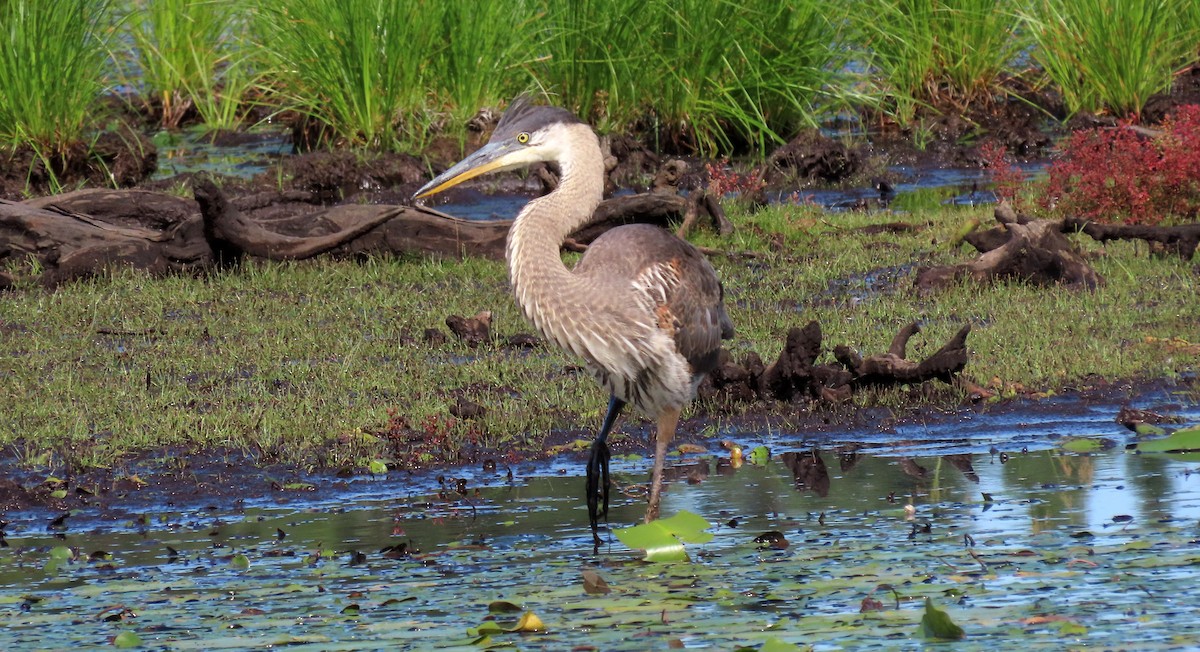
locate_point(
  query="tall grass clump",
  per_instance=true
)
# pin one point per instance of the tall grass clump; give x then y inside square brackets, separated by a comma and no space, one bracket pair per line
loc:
[52,70]
[654,65]
[480,57]
[354,65]
[941,53]
[1112,55]
[189,57]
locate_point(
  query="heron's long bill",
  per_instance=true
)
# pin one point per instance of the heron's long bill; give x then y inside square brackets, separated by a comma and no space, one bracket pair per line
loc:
[492,157]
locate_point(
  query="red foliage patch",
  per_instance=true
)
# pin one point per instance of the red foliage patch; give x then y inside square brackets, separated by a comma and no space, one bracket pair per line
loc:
[1007,178]
[1119,175]
[722,179]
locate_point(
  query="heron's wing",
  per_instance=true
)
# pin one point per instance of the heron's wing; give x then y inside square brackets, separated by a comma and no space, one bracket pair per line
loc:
[671,278]
[693,312]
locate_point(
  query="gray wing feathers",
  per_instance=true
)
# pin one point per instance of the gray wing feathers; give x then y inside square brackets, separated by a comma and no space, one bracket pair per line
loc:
[674,277]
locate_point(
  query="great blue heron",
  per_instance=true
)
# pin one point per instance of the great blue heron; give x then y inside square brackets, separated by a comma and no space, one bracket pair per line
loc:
[642,307]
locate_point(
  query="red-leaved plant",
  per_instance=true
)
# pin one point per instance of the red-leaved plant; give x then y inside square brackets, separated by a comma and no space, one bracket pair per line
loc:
[1120,175]
[1007,179]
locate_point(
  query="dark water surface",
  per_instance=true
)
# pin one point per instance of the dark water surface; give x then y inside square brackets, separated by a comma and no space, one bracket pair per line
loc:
[1021,542]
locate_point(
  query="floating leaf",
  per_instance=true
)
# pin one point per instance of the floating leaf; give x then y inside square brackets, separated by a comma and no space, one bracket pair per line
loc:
[127,639]
[58,556]
[1148,430]
[1184,440]
[377,467]
[58,494]
[240,561]
[760,455]
[663,539]
[775,645]
[593,584]
[692,449]
[529,623]
[503,606]
[937,624]
[1085,444]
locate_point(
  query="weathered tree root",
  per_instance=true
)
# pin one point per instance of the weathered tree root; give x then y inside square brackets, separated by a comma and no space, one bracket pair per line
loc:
[794,374]
[1034,251]
[1180,240]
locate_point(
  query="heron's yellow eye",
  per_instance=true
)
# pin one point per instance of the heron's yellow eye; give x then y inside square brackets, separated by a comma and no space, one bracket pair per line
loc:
[523,137]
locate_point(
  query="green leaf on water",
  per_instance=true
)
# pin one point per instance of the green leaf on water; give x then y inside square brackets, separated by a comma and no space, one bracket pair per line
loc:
[1148,430]
[240,562]
[760,455]
[663,539]
[127,639]
[503,606]
[937,624]
[58,494]
[58,556]
[1183,440]
[1085,444]
[377,467]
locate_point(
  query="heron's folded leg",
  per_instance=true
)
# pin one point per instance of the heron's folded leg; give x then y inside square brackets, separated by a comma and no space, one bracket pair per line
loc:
[668,419]
[597,470]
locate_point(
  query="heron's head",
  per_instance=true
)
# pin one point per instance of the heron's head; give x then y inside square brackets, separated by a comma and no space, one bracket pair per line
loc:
[526,134]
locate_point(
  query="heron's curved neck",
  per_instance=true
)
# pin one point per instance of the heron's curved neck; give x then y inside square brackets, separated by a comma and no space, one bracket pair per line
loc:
[535,265]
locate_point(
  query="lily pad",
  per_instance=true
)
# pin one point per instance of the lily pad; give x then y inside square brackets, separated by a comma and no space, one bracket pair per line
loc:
[127,639]
[937,624]
[1184,440]
[663,539]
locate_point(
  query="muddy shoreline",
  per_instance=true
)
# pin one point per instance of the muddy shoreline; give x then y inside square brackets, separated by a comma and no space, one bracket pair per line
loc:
[181,480]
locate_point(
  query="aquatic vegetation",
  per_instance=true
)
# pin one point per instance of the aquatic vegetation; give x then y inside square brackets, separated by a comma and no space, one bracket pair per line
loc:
[51,70]
[1113,174]
[1035,547]
[940,53]
[1112,54]
[654,64]
[189,57]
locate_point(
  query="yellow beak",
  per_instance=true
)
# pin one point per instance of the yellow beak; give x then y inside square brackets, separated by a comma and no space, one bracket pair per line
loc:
[492,157]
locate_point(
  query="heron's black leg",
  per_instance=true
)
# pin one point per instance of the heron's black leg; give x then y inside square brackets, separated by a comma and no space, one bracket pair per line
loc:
[597,470]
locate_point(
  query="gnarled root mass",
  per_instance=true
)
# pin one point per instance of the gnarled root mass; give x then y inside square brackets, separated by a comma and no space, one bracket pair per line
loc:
[795,373]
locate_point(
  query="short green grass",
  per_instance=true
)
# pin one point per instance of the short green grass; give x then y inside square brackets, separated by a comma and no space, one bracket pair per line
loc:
[304,362]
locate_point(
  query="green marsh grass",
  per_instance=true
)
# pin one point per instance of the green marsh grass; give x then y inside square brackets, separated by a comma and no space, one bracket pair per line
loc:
[51,70]
[188,57]
[302,362]
[1112,55]
[936,52]
[355,65]
[654,64]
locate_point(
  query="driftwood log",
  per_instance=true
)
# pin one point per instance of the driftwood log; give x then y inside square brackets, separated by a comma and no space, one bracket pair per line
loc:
[795,374]
[81,233]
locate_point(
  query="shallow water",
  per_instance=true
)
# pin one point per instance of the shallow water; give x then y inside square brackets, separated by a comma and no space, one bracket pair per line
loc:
[1016,539]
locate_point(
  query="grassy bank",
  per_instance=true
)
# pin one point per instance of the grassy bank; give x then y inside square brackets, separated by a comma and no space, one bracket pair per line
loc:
[314,363]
